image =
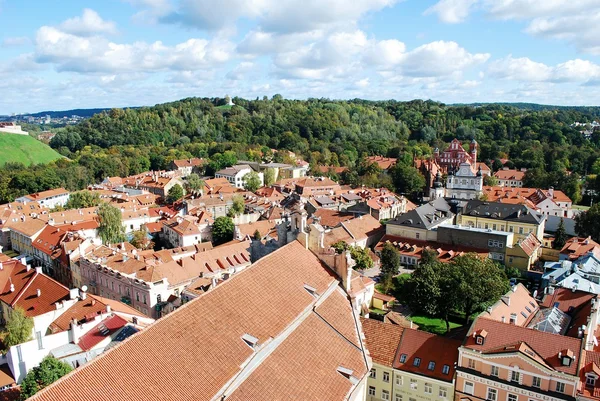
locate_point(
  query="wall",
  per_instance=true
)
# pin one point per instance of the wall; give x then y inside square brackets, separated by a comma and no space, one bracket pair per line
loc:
[520,230]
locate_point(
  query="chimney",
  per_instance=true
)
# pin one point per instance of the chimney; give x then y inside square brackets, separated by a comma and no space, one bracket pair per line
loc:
[23,261]
[39,293]
[28,267]
[93,302]
[551,192]
[73,292]
[38,270]
[12,287]
[108,309]
[75,331]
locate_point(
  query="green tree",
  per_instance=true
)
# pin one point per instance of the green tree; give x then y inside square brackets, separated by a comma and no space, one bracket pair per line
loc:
[82,199]
[423,288]
[48,371]
[175,193]
[222,230]
[238,206]
[110,229]
[340,246]
[390,264]
[140,240]
[361,257]
[251,181]
[194,184]
[18,328]
[560,237]
[586,223]
[407,179]
[490,181]
[257,235]
[269,177]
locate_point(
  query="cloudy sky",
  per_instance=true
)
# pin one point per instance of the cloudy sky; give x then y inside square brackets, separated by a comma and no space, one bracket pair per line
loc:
[115,53]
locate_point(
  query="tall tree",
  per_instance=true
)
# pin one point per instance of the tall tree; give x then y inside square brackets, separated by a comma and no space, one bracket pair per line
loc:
[560,237]
[361,257]
[194,184]
[237,207]
[82,199]
[424,288]
[269,177]
[407,179]
[390,263]
[48,371]
[222,230]
[586,223]
[251,181]
[111,227]
[175,193]
[18,328]
[140,240]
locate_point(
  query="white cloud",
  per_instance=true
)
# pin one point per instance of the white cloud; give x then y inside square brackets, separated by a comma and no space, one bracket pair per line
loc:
[386,52]
[90,23]
[452,11]
[583,30]
[96,54]
[527,9]
[363,83]
[243,71]
[17,41]
[257,42]
[440,58]
[524,69]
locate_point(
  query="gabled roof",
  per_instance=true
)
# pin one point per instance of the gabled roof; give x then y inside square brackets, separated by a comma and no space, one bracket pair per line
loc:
[425,216]
[546,345]
[101,331]
[212,339]
[503,211]
[382,340]
[517,301]
[577,247]
[443,351]
[193,162]
[28,226]
[507,174]
[47,194]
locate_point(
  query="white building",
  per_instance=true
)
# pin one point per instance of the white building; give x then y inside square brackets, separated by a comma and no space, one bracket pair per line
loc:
[11,128]
[464,183]
[235,175]
[49,199]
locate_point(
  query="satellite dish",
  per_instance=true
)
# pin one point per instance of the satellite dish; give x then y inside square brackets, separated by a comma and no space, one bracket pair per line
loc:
[84,288]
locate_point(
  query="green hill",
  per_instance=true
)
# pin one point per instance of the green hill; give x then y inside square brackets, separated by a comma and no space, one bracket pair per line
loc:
[24,149]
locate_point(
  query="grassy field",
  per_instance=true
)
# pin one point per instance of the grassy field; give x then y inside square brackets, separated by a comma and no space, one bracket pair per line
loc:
[25,149]
[432,324]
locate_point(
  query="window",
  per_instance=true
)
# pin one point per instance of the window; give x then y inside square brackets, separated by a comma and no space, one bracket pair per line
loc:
[417,235]
[19,353]
[590,381]
[512,397]
[398,397]
[137,296]
[471,363]
[468,388]
[520,230]
[428,388]
[513,318]
[443,392]
[515,376]
[371,390]
[446,369]
[386,377]
[560,387]
[398,380]
[144,299]
[492,394]
[373,374]
[537,382]
[417,362]
[413,384]
[385,395]
[495,371]
[38,337]
[431,365]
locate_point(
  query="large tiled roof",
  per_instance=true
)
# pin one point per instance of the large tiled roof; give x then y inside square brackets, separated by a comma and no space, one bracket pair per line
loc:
[428,348]
[502,211]
[518,301]
[28,227]
[425,216]
[382,340]
[503,337]
[197,352]
[47,194]
[516,175]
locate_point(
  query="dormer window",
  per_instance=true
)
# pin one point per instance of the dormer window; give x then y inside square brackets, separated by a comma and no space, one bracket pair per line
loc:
[403,358]
[566,357]
[513,318]
[480,336]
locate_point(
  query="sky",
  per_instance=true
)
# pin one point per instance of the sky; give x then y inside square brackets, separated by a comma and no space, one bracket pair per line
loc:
[118,53]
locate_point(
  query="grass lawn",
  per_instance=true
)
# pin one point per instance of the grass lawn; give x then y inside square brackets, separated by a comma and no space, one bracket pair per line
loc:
[376,311]
[25,149]
[432,324]
[580,207]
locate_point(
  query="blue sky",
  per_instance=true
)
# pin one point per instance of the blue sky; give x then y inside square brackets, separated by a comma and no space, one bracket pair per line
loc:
[115,53]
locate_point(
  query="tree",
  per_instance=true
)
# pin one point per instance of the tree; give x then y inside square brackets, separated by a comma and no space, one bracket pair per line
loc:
[111,227]
[175,193]
[251,181]
[237,206]
[586,223]
[82,199]
[361,257]
[194,183]
[140,240]
[18,328]
[48,371]
[482,282]
[407,179]
[256,235]
[490,180]
[222,230]
[340,246]
[390,263]
[424,288]
[269,177]
[560,237]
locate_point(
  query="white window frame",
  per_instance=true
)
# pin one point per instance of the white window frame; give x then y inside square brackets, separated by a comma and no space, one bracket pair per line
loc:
[428,388]
[372,390]
[443,392]
[495,371]
[386,375]
[491,390]
[469,384]
[509,398]
[385,395]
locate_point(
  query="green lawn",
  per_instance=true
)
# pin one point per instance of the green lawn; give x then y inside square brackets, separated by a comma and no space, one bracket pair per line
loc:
[580,207]
[432,324]
[25,149]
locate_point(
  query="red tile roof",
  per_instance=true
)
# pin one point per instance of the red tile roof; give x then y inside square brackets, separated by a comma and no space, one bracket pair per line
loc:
[331,218]
[382,340]
[576,247]
[516,175]
[414,248]
[428,348]
[384,163]
[102,330]
[503,337]
[47,194]
[195,351]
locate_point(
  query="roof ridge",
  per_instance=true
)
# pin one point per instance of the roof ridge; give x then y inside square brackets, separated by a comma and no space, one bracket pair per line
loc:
[531,329]
[25,287]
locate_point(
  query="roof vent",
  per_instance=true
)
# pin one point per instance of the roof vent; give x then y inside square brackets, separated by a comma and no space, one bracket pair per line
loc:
[347,373]
[311,290]
[250,340]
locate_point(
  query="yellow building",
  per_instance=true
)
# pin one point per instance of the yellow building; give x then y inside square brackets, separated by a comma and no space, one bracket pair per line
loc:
[518,219]
[408,364]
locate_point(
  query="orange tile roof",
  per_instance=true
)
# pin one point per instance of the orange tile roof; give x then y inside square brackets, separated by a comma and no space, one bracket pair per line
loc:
[205,341]
[516,175]
[48,241]
[193,162]
[47,194]
[518,300]
[530,244]
[331,218]
[413,247]
[98,333]
[577,247]
[503,335]
[29,227]
[382,340]
[428,348]
[264,227]
[384,163]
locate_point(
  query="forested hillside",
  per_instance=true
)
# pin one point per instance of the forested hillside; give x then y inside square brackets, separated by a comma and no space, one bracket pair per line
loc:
[326,132]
